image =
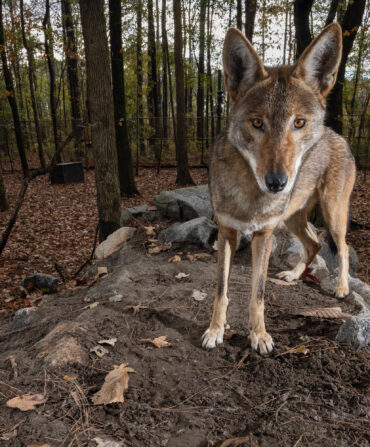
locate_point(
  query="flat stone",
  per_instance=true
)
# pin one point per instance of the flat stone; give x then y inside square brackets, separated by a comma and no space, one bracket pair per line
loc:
[41,281]
[185,203]
[356,331]
[137,212]
[116,298]
[114,241]
[198,231]
[66,350]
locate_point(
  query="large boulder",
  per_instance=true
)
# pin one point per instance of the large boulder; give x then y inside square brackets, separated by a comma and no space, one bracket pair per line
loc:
[150,213]
[113,242]
[200,231]
[356,331]
[185,203]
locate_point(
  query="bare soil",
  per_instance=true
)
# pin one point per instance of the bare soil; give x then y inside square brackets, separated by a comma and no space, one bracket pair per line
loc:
[184,396]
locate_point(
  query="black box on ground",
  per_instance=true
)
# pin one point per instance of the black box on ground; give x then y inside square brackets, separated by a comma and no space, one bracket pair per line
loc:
[67,173]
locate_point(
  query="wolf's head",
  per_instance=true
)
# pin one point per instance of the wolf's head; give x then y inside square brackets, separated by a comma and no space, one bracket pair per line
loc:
[278,113]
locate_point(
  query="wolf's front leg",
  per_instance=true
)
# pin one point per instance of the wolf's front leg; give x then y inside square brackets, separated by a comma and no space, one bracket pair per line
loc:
[226,245]
[261,341]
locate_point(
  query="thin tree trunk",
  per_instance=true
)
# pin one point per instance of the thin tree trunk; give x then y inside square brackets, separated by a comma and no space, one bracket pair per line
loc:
[4,205]
[250,14]
[11,97]
[126,175]
[239,23]
[350,24]
[31,80]
[153,84]
[332,12]
[219,101]
[70,49]
[139,77]
[100,103]
[209,70]
[183,173]
[49,52]
[200,92]
[164,73]
[360,129]
[302,9]
[285,36]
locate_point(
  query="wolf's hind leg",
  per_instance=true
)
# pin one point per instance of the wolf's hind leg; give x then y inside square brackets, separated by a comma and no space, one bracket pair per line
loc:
[226,244]
[335,199]
[299,226]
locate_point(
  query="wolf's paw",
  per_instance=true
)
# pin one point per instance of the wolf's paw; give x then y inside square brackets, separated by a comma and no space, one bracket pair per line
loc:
[262,343]
[212,337]
[341,291]
[289,275]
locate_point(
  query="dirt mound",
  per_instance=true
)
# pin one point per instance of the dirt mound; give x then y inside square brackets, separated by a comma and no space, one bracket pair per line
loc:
[312,391]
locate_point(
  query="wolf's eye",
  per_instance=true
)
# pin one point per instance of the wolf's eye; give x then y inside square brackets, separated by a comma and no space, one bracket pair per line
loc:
[299,123]
[257,123]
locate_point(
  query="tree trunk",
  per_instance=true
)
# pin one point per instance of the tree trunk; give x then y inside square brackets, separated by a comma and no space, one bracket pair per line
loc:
[219,101]
[12,97]
[49,52]
[72,66]
[183,173]
[153,104]
[209,72]
[126,175]
[100,104]
[200,92]
[250,14]
[302,9]
[139,77]
[31,80]
[4,205]
[332,12]
[239,23]
[350,24]
[164,73]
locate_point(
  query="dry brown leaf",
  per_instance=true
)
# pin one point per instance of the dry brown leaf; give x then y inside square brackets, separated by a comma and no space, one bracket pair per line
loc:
[155,250]
[107,443]
[175,258]
[109,341]
[136,309]
[159,342]
[100,351]
[115,383]
[229,333]
[202,256]
[301,349]
[8,435]
[149,230]
[181,275]
[191,257]
[198,295]
[26,402]
[281,282]
[38,444]
[323,312]
[235,442]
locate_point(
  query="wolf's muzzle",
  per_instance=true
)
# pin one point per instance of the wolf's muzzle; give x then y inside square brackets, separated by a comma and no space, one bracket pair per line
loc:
[276,182]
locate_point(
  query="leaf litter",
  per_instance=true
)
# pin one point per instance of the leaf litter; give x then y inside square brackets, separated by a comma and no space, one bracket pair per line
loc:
[26,402]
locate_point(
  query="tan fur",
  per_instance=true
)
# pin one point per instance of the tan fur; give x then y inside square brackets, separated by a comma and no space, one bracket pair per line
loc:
[316,160]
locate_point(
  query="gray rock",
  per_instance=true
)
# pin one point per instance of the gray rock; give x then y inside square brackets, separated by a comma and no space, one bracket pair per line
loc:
[185,203]
[116,298]
[332,260]
[41,281]
[21,318]
[198,231]
[319,268]
[361,288]
[356,331]
[136,212]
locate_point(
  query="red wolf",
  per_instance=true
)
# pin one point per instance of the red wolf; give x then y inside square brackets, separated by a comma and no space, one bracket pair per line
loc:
[272,163]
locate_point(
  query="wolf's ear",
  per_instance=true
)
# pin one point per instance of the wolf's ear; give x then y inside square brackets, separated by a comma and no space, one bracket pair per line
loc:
[242,66]
[318,66]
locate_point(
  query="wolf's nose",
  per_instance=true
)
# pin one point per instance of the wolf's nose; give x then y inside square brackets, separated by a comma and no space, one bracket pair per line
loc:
[276,182]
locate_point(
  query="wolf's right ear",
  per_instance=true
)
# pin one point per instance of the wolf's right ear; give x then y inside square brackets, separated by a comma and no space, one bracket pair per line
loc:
[242,65]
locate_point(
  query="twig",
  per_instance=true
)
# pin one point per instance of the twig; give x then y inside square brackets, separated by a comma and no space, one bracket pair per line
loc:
[91,255]
[63,272]
[298,440]
[14,366]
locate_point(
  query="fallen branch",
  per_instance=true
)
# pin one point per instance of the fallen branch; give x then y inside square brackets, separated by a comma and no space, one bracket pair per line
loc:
[26,182]
[91,256]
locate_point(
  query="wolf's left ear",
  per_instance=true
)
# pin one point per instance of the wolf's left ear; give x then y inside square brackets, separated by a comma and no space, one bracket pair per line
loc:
[319,63]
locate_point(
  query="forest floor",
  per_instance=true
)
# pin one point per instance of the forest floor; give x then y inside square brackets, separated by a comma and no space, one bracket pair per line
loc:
[312,391]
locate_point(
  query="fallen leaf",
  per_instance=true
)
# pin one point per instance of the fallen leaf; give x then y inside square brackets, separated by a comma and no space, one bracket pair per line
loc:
[136,309]
[159,342]
[155,250]
[281,282]
[7,436]
[301,349]
[107,442]
[100,351]
[149,231]
[114,385]
[175,258]
[181,275]
[38,444]
[110,341]
[229,333]
[27,401]
[102,271]
[191,258]
[235,442]
[90,306]
[198,295]
[323,312]
[202,256]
